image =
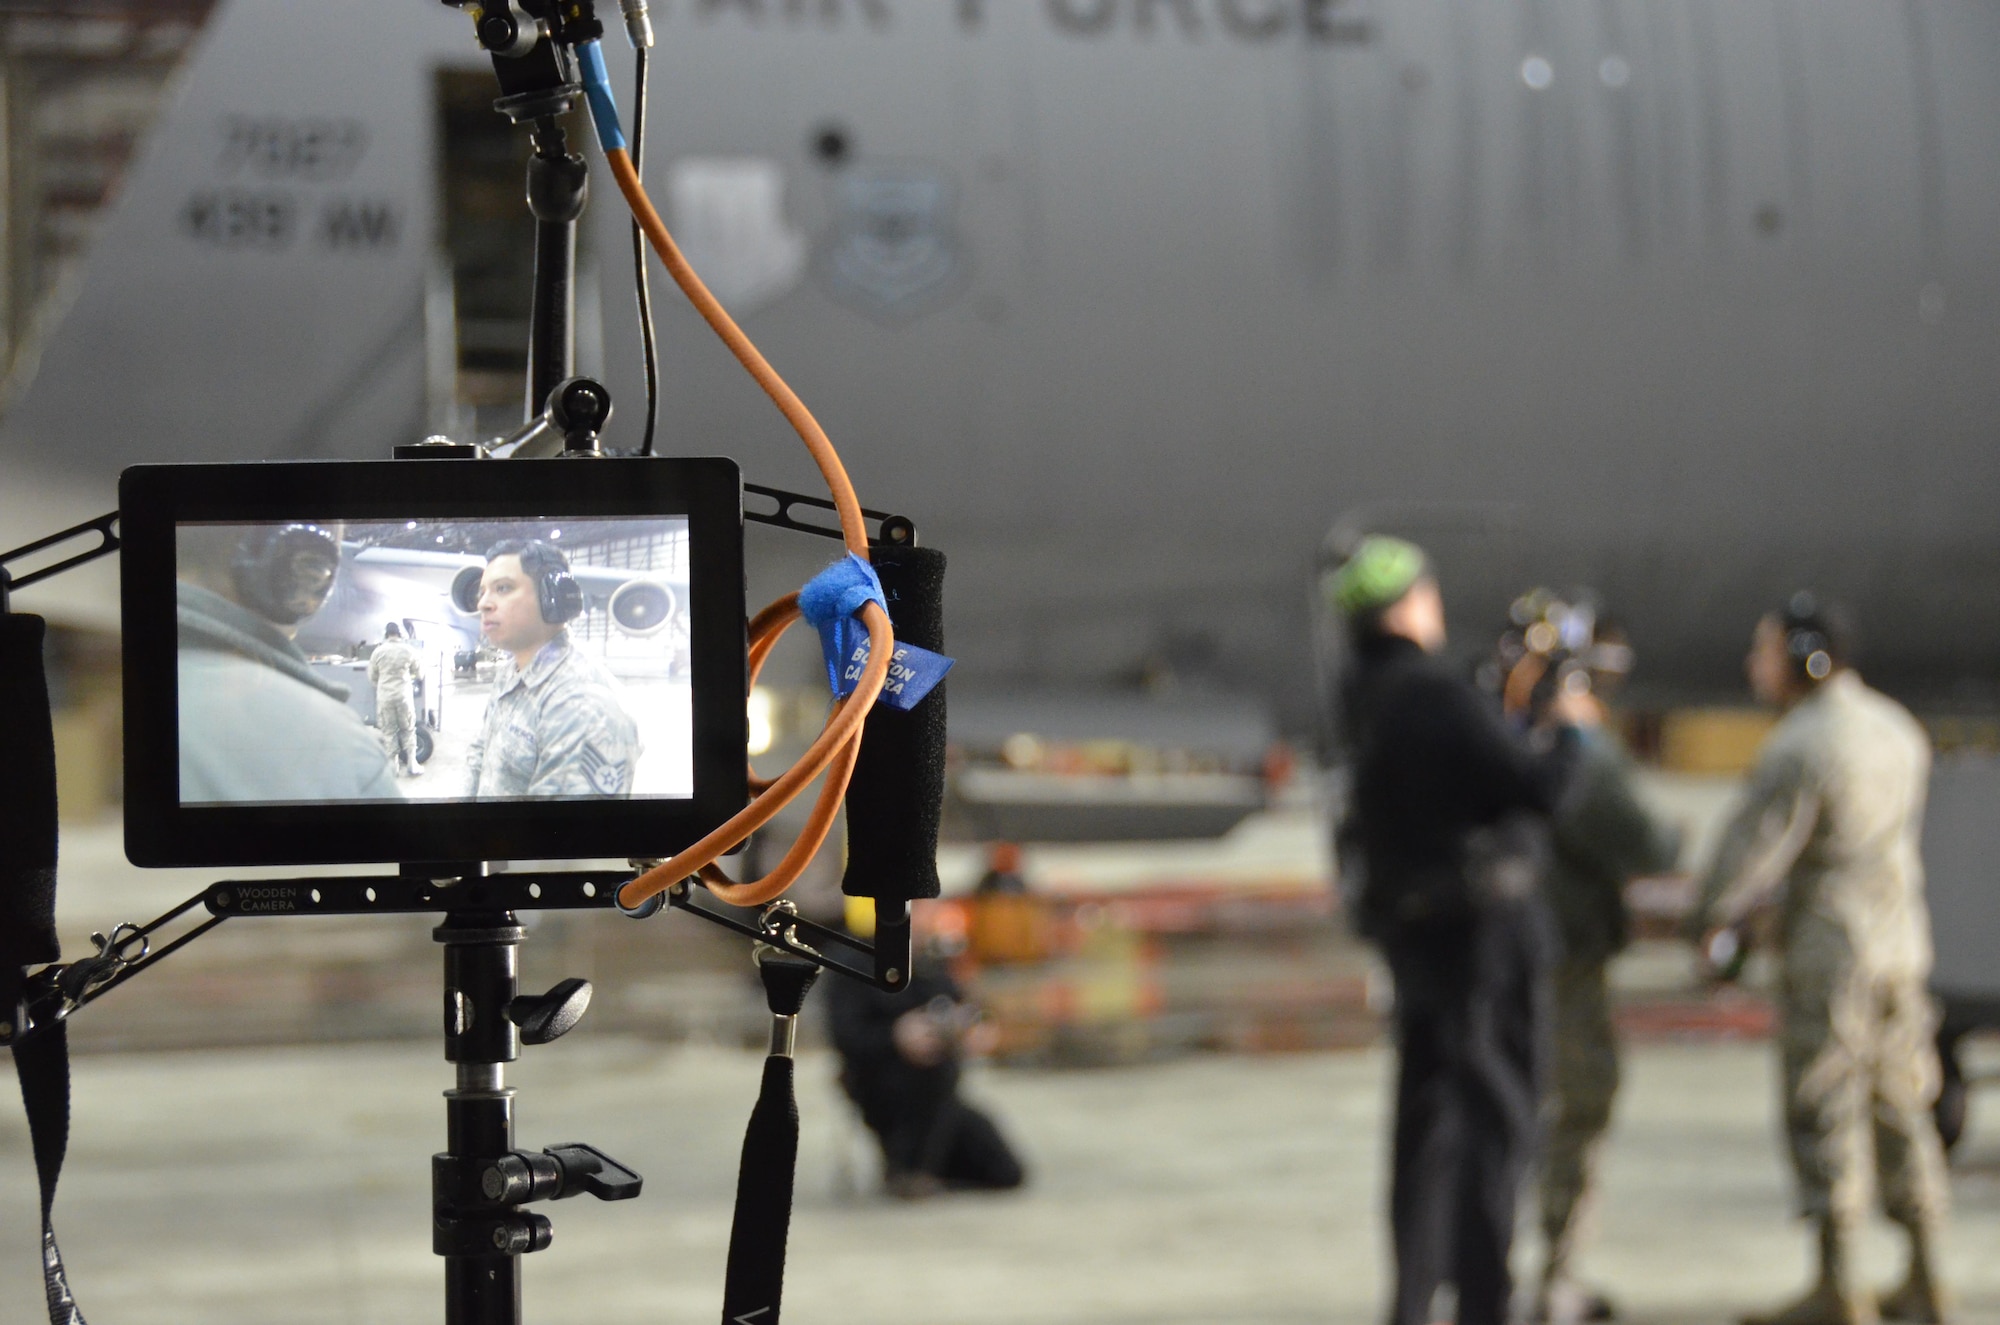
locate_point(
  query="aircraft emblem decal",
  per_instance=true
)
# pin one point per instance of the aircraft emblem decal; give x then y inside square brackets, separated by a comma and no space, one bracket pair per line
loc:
[893,253]
[729,218]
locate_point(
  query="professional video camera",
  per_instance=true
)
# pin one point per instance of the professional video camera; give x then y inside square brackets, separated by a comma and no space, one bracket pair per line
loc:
[1553,643]
[251,595]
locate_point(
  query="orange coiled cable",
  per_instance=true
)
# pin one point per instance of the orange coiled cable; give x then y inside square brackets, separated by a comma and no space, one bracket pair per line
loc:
[838,745]
[852,531]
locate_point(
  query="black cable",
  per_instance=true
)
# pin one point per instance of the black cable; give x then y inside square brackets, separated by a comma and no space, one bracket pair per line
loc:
[639,257]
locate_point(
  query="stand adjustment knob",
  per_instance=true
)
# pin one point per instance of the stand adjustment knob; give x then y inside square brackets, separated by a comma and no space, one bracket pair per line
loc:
[586,1170]
[545,1017]
[521,1177]
[522,1234]
[555,1174]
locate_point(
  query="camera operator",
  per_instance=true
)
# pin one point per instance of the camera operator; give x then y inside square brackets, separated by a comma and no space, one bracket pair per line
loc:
[1603,838]
[1446,829]
[393,669]
[1827,831]
[899,1063]
[555,725]
[256,724]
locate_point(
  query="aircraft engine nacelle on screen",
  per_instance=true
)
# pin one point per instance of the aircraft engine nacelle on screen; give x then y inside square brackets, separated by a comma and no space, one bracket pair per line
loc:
[465,588]
[638,606]
[641,608]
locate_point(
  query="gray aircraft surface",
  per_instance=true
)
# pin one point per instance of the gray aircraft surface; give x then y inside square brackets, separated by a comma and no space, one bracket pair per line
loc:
[1127,301]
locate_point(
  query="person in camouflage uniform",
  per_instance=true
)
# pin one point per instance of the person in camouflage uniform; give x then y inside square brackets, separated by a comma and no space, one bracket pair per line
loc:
[1603,837]
[555,725]
[1828,832]
[393,669]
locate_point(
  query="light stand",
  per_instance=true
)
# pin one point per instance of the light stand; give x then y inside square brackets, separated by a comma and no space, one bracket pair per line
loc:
[481,1183]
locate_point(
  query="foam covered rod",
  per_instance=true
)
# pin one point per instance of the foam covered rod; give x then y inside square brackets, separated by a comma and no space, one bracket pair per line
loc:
[27,805]
[897,792]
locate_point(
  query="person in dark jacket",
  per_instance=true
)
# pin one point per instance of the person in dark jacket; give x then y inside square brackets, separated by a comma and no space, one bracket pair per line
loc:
[899,1063]
[1603,837]
[1442,850]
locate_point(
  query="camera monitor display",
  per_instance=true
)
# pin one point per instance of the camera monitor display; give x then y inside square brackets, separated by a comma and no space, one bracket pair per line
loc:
[434,661]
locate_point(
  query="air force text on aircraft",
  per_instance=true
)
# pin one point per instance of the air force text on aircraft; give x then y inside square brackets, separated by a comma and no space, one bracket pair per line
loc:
[1254,21]
[279,180]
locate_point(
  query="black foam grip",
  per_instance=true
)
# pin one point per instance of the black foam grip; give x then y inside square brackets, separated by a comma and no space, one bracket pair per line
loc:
[27,798]
[897,794]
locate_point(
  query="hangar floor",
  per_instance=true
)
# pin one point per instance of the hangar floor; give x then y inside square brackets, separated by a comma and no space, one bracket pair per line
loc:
[290,1184]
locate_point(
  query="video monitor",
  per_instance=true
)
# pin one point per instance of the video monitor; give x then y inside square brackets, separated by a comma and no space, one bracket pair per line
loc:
[431,660]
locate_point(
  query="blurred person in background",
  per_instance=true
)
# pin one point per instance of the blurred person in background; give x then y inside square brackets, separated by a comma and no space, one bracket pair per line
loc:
[900,1055]
[1441,855]
[1827,833]
[393,669]
[1603,836]
[1003,872]
[1006,923]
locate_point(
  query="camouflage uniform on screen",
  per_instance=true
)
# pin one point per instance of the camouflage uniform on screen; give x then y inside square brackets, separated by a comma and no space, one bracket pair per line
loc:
[1830,828]
[556,729]
[393,669]
[1603,838]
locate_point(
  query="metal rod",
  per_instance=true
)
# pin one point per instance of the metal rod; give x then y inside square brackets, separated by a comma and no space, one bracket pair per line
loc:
[785,936]
[551,326]
[896,529]
[107,544]
[480,979]
[558,187]
[364,894]
[150,962]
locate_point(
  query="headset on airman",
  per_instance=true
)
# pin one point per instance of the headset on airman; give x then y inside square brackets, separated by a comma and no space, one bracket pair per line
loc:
[557,593]
[284,572]
[1815,637]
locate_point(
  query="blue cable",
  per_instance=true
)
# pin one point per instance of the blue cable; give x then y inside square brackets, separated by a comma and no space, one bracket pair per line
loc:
[597,90]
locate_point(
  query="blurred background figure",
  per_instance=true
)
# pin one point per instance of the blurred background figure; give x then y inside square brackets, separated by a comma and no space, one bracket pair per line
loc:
[1006,923]
[1003,872]
[1447,827]
[393,669]
[1827,832]
[900,1057]
[1603,837]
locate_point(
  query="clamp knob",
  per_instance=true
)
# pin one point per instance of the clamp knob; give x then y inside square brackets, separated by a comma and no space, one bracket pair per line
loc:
[550,1016]
[579,407]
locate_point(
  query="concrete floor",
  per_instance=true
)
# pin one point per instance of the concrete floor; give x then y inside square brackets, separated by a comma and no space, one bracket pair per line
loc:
[290,1185]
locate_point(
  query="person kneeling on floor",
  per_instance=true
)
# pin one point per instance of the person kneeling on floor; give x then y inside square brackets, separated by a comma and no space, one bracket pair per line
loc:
[900,1055]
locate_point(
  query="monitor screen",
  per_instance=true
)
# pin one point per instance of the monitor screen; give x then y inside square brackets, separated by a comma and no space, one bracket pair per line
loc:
[431,661]
[450,659]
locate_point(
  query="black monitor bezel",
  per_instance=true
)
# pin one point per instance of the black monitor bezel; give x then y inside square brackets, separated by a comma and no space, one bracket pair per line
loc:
[162,832]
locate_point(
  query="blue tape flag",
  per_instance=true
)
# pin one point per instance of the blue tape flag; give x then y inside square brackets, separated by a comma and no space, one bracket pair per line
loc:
[597,91]
[913,673]
[829,602]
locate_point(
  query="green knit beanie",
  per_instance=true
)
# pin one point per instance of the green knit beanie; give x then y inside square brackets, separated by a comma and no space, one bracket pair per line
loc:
[1380,571]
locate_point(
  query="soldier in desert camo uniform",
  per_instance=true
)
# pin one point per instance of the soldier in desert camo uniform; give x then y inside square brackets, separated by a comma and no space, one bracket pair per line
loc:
[1828,834]
[393,669]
